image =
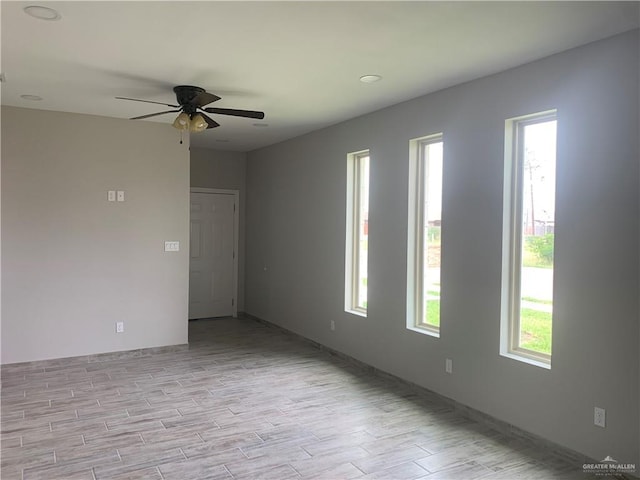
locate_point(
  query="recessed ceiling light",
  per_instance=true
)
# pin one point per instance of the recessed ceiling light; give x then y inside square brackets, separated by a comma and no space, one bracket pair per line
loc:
[260,124]
[42,13]
[370,78]
[34,98]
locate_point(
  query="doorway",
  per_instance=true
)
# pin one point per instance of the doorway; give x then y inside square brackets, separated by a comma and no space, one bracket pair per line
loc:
[213,258]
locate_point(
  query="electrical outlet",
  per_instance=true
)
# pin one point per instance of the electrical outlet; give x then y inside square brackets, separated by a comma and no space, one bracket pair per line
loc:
[448,365]
[111,195]
[119,327]
[599,417]
[333,325]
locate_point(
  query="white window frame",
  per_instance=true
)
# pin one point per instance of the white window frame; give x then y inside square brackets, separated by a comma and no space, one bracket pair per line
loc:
[416,303]
[512,239]
[355,173]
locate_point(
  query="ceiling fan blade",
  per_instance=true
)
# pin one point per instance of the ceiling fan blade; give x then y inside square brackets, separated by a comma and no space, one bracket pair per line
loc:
[235,113]
[147,101]
[154,114]
[204,98]
[210,121]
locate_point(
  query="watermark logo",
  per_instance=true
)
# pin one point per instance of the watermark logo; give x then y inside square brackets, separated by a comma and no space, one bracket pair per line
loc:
[609,466]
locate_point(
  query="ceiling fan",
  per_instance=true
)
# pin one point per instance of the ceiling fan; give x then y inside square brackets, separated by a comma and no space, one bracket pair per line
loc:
[190,102]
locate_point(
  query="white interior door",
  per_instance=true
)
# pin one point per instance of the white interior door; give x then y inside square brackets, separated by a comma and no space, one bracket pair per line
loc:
[212,279]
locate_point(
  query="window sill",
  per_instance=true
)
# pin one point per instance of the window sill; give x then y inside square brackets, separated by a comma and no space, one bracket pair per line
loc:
[530,361]
[357,312]
[424,331]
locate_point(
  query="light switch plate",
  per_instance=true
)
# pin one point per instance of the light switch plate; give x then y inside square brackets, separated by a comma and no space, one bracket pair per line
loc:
[599,417]
[171,246]
[121,195]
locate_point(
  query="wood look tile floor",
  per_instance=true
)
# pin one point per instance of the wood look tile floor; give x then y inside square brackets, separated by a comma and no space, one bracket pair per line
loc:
[244,401]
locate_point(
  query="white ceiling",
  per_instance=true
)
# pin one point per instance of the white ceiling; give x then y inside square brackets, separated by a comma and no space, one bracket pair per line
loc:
[299,62]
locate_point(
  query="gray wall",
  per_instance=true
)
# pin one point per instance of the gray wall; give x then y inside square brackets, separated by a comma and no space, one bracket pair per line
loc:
[296,238]
[224,170]
[73,263]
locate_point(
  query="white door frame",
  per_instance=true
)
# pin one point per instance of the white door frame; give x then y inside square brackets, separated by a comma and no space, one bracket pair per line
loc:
[236,228]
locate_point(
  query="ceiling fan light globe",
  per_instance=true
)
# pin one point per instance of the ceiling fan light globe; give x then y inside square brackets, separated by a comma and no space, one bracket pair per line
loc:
[198,123]
[182,122]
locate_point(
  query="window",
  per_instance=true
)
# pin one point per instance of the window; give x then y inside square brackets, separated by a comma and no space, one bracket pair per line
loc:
[528,237]
[357,232]
[425,221]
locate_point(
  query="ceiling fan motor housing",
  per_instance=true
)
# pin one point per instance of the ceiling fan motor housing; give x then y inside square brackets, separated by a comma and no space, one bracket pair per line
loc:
[185,94]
